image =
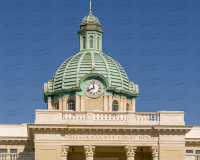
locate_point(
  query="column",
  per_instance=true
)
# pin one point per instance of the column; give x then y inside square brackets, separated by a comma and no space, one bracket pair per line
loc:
[64,152]
[64,103]
[89,152]
[105,104]
[60,104]
[49,104]
[130,152]
[82,102]
[110,102]
[154,152]
[77,103]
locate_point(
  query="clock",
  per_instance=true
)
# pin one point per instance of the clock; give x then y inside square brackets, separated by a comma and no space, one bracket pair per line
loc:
[93,88]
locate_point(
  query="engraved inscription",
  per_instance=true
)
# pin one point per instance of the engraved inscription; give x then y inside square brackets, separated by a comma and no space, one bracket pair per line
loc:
[111,137]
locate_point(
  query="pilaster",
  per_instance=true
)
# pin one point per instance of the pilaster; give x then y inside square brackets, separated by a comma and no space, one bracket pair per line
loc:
[124,104]
[60,104]
[64,103]
[89,152]
[133,106]
[121,104]
[64,152]
[49,104]
[77,103]
[105,103]
[110,102]
[82,102]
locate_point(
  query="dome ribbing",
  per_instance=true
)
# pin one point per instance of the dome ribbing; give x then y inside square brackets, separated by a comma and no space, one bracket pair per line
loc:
[76,67]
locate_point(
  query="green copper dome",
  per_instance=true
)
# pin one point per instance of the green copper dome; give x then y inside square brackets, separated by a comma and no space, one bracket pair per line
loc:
[70,73]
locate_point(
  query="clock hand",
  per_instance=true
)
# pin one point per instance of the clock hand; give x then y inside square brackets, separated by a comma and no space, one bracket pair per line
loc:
[91,88]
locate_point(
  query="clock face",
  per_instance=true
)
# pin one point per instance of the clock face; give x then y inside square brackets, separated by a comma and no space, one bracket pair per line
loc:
[93,88]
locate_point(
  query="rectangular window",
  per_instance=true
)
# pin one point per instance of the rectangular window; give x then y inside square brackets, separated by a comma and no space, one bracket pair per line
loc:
[197,151]
[13,150]
[3,150]
[189,151]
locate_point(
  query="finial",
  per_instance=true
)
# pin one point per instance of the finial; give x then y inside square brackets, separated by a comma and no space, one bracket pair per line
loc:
[90,6]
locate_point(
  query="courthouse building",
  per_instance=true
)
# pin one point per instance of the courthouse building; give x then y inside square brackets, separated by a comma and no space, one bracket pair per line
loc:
[91,115]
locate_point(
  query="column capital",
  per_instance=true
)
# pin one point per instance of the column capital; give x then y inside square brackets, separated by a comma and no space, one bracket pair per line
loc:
[89,151]
[130,151]
[154,151]
[65,150]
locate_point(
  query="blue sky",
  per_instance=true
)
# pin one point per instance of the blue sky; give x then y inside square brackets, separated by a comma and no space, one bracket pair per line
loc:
[157,43]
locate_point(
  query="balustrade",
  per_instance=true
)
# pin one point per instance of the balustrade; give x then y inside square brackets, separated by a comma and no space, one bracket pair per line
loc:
[111,116]
[197,157]
[146,116]
[101,117]
[74,115]
[108,116]
[9,156]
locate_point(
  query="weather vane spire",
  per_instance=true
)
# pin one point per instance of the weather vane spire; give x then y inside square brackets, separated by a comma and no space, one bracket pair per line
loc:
[90,6]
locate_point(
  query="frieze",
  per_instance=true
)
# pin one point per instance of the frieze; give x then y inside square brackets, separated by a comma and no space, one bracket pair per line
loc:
[111,137]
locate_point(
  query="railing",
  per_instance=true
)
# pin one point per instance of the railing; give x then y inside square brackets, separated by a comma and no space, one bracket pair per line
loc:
[146,116]
[17,156]
[9,156]
[74,115]
[113,116]
[99,117]
[102,117]
[197,157]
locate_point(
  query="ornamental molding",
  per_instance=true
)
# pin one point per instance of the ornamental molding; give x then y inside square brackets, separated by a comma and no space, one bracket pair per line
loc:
[65,150]
[130,151]
[154,151]
[89,151]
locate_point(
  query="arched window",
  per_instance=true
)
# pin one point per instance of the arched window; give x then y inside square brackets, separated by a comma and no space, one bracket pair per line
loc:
[71,105]
[56,106]
[115,106]
[91,41]
[98,43]
[127,107]
[83,42]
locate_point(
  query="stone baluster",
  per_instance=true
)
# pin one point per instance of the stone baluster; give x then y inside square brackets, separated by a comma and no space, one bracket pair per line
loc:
[89,152]
[154,152]
[130,152]
[64,152]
